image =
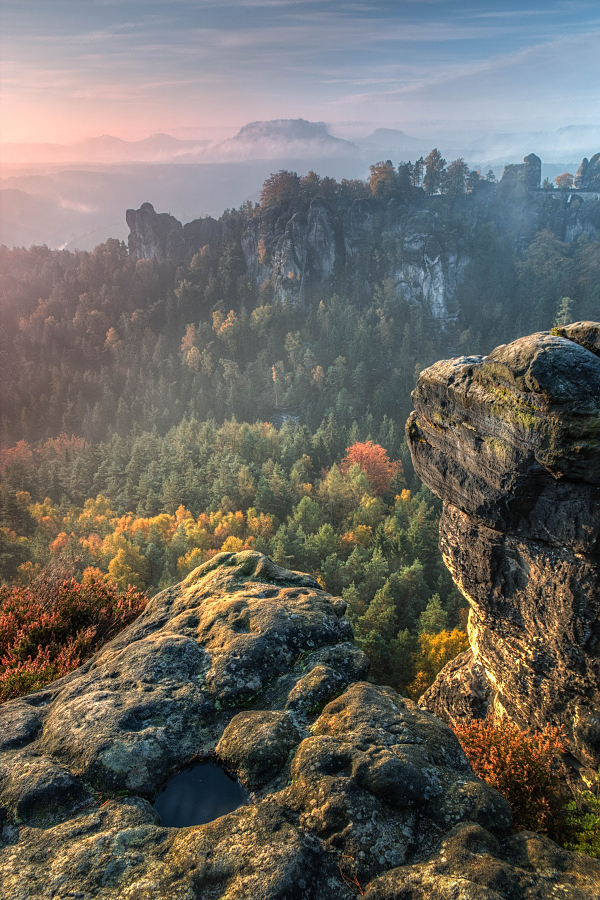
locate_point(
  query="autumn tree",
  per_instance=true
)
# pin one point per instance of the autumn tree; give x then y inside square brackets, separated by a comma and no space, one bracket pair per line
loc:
[374,461]
[383,179]
[436,650]
[280,187]
[564,182]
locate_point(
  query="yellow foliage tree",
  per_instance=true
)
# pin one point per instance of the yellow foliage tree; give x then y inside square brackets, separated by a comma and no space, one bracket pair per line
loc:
[436,650]
[235,544]
[129,567]
[191,561]
[96,516]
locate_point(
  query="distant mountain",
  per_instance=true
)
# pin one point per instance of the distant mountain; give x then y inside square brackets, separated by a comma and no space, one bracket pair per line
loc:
[277,139]
[393,137]
[280,138]
[292,141]
[73,194]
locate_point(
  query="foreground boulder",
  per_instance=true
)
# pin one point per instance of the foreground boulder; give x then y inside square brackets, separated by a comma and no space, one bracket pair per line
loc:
[252,665]
[511,443]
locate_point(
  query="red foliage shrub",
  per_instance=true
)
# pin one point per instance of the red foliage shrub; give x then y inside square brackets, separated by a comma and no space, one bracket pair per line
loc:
[525,767]
[54,624]
[374,462]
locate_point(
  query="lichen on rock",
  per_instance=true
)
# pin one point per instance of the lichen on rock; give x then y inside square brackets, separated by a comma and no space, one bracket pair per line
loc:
[254,666]
[510,442]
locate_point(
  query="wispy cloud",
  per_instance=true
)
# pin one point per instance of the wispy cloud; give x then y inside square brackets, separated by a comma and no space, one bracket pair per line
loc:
[309,58]
[525,83]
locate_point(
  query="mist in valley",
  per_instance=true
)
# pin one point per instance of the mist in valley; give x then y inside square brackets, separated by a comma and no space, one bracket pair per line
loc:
[74,196]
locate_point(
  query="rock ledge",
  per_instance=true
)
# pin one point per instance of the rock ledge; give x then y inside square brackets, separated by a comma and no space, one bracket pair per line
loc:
[254,664]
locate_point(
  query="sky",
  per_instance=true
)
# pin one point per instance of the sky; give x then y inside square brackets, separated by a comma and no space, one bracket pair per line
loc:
[72,69]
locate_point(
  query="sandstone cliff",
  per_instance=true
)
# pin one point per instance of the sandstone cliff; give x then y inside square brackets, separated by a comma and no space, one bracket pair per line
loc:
[154,235]
[588,174]
[353,785]
[511,443]
[299,255]
[298,251]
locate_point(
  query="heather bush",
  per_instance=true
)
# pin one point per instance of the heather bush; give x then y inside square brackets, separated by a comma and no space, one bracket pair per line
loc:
[525,767]
[55,623]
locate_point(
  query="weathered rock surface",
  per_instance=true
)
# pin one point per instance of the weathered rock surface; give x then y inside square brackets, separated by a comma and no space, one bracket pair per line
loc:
[525,175]
[473,865]
[588,174]
[299,255]
[511,443]
[154,235]
[298,251]
[254,663]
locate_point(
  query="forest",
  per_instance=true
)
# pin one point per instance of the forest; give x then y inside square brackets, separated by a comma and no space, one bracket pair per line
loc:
[157,413]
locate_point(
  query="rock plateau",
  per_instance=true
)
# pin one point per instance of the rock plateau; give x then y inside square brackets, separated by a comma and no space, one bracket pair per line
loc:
[511,443]
[254,665]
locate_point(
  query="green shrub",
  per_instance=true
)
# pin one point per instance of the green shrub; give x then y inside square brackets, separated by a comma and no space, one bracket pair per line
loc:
[583,824]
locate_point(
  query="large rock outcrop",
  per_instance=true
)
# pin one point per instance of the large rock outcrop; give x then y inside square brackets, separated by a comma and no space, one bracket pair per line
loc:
[523,176]
[154,235]
[300,250]
[511,443]
[588,174]
[352,783]
[300,254]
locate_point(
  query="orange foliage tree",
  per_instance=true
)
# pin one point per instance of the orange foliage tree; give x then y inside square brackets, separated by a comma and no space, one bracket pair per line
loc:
[374,461]
[564,182]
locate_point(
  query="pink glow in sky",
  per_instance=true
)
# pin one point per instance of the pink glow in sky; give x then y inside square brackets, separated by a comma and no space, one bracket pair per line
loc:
[202,68]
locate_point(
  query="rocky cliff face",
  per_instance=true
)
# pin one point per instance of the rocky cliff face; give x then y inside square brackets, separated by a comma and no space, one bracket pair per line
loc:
[300,251]
[162,237]
[524,176]
[588,174]
[353,785]
[154,235]
[300,255]
[511,443]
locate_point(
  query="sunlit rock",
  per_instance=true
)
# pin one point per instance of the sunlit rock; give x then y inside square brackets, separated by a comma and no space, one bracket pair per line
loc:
[249,665]
[511,443]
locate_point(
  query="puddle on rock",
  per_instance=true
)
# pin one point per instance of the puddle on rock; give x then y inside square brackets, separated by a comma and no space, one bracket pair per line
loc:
[199,794]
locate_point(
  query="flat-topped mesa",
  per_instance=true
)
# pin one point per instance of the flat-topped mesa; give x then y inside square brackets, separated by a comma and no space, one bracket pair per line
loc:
[511,443]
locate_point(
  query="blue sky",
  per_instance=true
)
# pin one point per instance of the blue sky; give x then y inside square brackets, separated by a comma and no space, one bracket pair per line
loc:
[203,68]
